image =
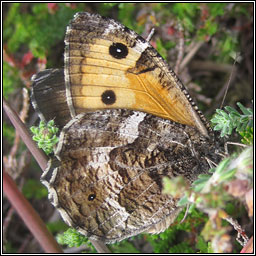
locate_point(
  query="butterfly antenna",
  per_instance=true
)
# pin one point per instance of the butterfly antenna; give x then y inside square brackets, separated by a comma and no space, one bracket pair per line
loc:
[149,37]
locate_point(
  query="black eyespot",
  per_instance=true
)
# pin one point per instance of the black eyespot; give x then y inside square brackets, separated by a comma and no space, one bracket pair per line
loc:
[108,97]
[118,50]
[91,197]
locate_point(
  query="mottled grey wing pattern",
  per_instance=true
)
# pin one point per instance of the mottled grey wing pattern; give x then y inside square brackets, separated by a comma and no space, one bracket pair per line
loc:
[107,181]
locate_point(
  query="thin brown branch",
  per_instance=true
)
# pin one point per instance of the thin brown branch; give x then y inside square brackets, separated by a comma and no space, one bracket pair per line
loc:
[26,241]
[190,55]
[210,66]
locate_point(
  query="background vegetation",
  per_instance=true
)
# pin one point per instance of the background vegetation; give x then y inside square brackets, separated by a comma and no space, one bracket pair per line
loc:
[208,45]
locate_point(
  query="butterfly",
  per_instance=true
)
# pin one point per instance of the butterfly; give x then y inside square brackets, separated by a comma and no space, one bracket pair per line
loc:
[126,122]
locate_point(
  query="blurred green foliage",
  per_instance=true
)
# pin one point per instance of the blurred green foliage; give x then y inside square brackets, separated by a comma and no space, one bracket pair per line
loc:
[34,189]
[57,226]
[164,242]
[37,28]
[72,238]
[124,246]
[210,194]
[8,132]
[9,248]
[175,239]
[10,79]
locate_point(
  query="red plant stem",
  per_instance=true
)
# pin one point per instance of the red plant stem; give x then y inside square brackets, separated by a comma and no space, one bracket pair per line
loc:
[29,216]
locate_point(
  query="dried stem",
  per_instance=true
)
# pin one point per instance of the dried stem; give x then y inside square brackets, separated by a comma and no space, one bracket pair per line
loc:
[190,55]
[180,49]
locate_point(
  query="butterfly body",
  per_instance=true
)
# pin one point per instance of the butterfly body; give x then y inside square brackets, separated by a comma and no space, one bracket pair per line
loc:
[127,122]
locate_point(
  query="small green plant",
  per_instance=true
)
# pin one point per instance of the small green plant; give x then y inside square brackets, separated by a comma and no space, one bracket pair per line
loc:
[73,238]
[227,121]
[45,136]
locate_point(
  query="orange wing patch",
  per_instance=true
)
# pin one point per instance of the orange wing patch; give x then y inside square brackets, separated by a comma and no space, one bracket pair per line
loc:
[126,81]
[115,68]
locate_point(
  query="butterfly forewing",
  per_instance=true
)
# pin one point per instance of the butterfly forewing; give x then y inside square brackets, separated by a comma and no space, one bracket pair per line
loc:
[108,65]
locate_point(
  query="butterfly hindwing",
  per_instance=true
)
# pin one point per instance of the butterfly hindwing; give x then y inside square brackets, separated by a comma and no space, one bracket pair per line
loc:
[108,183]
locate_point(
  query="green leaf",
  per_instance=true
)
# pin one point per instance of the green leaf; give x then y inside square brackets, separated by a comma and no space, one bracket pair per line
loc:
[245,111]
[8,132]
[200,182]
[232,111]
[223,164]
[57,226]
